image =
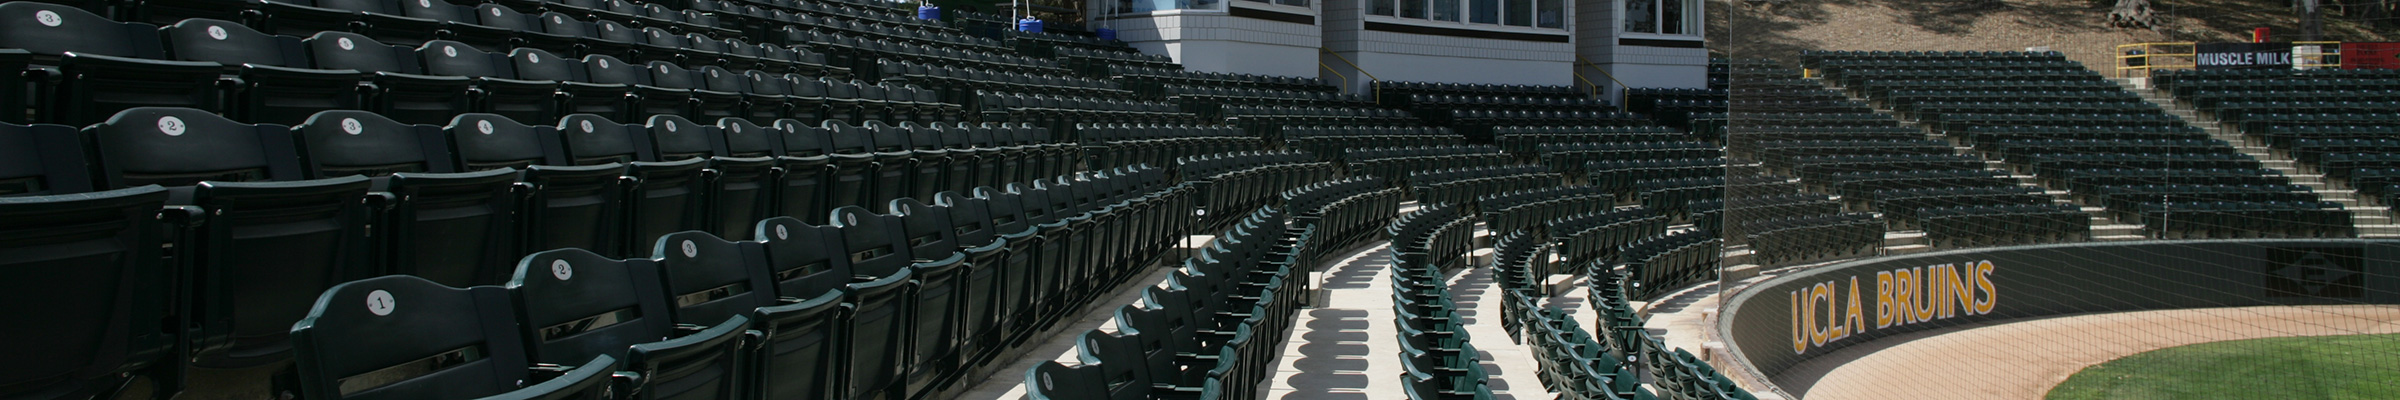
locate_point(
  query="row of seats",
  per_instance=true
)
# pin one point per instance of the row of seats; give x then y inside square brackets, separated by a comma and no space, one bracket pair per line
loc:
[1212,331]
[1438,356]
[1335,140]
[1821,167]
[1658,265]
[1812,237]
[1152,81]
[1095,63]
[274,80]
[1347,212]
[1399,162]
[1528,139]
[1127,144]
[1900,206]
[1209,101]
[1595,237]
[1566,157]
[2004,224]
[811,267]
[1528,208]
[1986,136]
[1463,185]
[959,84]
[1271,121]
[1230,183]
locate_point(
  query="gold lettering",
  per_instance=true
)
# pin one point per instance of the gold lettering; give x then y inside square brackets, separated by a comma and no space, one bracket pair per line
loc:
[1983,280]
[1799,339]
[1815,294]
[1883,299]
[1903,295]
[1851,316]
[1962,295]
[1924,300]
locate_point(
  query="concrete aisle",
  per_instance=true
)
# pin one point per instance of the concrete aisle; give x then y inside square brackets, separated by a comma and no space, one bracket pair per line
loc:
[1348,348]
[1345,348]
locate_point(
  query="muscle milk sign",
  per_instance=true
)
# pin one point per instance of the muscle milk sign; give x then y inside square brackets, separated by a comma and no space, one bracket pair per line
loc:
[2243,55]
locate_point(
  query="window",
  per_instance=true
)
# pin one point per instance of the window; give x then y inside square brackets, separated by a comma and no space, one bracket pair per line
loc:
[1641,16]
[1144,6]
[1669,17]
[1552,14]
[1520,12]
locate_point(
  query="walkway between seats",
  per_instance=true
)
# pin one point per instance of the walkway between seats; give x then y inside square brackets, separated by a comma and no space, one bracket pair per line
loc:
[1348,347]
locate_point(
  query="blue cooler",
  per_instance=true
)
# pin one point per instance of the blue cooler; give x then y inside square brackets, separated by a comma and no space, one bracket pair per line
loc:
[929,12]
[1106,34]
[1030,24]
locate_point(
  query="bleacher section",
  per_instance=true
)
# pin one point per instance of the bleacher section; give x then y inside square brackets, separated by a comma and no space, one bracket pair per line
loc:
[2071,118]
[834,199]
[2333,123]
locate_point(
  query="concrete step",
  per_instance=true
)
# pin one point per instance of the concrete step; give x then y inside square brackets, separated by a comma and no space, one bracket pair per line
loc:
[2118,238]
[2116,229]
[1903,238]
[1908,249]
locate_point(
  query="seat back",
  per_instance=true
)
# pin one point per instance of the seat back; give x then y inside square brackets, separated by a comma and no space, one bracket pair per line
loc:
[42,160]
[710,279]
[403,337]
[490,141]
[1050,380]
[573,304]
[879,257]
[350,142]
[93,260]
[805,153]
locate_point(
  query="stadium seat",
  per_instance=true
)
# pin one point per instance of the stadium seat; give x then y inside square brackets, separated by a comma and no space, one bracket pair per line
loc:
[662,196]
[113,298]
[567,205]
[454,228]
[803,355]
[498,90]
[87,68]
[561,295]
[42,160]
[398,85]
[937,276]
[349,351]
[252,278]
[880,301]
[272,79]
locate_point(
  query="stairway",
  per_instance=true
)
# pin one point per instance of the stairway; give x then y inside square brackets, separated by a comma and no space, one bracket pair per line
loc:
[2371,220]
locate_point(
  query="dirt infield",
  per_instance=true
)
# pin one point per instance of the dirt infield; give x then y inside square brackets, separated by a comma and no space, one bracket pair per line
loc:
[2023,360]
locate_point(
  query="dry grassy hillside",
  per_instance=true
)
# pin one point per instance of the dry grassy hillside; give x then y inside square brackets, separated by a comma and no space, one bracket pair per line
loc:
[1779,29]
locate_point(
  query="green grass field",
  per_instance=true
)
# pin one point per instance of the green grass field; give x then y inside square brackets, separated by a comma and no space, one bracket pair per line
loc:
[2323,367]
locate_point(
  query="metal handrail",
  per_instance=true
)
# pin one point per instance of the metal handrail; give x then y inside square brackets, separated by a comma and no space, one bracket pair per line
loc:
[1377,90]
[2152,59]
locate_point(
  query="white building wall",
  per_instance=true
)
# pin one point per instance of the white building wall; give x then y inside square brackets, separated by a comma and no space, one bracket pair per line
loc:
[1215,41]
[1601,41]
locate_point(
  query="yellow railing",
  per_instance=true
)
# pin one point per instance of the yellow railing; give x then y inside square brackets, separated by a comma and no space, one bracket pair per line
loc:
[2155,55]
[1375,91]
[1581,62]
[2322,55]
[2169,55]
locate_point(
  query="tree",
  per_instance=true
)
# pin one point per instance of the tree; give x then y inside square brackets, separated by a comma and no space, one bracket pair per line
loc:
[2133,14]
